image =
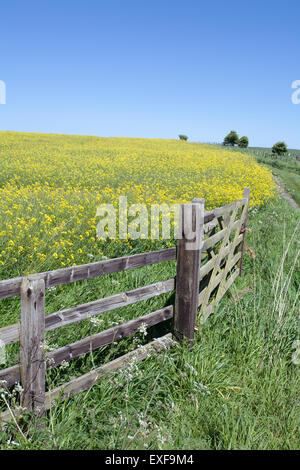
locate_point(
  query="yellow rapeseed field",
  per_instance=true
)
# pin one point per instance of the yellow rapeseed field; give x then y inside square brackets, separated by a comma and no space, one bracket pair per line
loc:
[51,185]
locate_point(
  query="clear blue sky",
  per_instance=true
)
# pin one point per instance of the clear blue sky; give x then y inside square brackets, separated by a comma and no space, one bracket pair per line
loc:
[152,68]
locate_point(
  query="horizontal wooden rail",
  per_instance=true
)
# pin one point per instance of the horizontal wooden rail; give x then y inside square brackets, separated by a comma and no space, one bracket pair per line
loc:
[221,211]
[86,345]
[10,334]
[86,381]
[11,375]
[11,287]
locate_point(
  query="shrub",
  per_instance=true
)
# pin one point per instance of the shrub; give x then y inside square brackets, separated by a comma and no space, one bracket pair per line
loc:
[231,139]
[243,142]
[183,137]
[279,149]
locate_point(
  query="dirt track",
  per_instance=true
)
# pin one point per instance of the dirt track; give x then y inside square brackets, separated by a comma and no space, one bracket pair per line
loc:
[285,194]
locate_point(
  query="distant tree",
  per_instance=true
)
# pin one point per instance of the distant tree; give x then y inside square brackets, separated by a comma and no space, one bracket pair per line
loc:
[280,148]
[243,142]
[231,139]
[183,137]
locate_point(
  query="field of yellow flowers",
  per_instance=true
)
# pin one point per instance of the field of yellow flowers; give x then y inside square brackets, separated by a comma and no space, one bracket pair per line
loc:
[51,186]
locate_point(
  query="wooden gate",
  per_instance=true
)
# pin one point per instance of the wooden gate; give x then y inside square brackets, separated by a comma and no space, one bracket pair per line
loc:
[222,253]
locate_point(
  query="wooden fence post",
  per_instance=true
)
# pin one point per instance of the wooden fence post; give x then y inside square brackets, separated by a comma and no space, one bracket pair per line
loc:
[191,234]
[32,335]
[246,195]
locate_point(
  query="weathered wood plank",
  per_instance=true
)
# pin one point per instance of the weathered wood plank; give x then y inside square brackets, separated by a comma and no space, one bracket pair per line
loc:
[211,225]
[11,287]
[81,312]
[221,211]
[10,334]
[12,374]
[109,336]
[188,270]
[209,217]
[32,365]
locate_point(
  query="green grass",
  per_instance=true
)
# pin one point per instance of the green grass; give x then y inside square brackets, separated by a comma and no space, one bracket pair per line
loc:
[236,389]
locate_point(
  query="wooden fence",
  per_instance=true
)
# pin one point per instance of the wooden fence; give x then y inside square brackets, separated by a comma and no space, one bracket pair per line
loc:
[204,274]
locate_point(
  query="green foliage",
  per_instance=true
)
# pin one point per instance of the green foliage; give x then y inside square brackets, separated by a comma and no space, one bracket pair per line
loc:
[280,148]
[243,142]
[183,137]
[231,139]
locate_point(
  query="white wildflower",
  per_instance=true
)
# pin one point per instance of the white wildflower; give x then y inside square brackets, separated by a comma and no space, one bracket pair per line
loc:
[64,365]
[47,348]
[95,321]
[143,329]
[18,388]
[10,442]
